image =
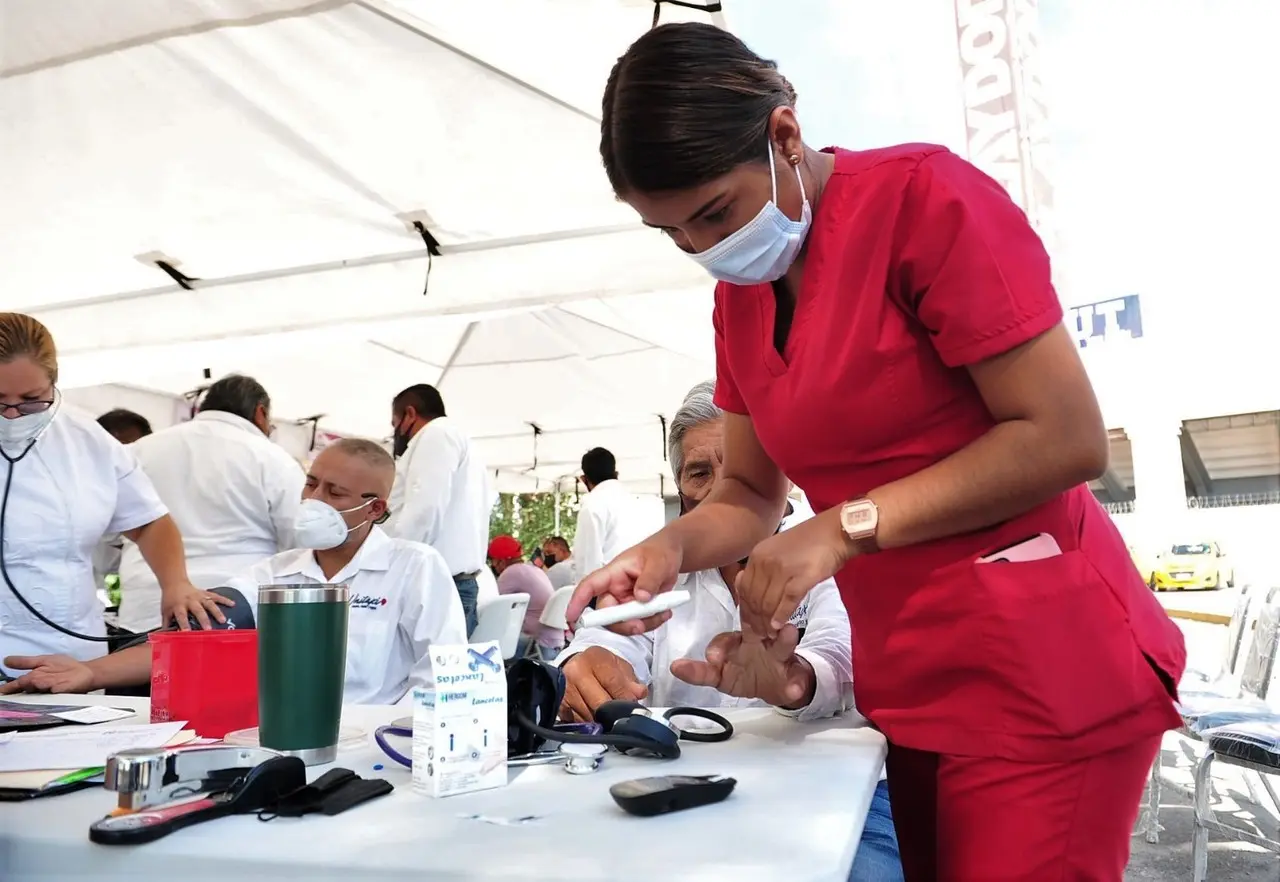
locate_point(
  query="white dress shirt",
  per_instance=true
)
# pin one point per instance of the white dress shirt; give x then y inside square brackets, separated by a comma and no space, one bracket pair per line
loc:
[443,497]
[76,485]
[233,493]
[609,522]
[402,601]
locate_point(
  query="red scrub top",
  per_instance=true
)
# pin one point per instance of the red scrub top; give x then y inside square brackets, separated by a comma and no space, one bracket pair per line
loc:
[918,265]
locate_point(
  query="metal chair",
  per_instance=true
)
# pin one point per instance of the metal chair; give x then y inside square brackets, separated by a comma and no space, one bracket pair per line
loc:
[1223,685]
[1253,745]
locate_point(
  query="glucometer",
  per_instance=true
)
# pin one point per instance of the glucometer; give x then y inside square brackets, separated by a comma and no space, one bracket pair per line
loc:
[624,612]
[647,797]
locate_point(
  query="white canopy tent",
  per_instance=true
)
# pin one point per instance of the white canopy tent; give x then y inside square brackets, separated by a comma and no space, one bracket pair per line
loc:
[255,185]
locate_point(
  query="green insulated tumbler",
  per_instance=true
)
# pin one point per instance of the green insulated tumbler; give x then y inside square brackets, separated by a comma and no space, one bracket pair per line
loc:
[302,659]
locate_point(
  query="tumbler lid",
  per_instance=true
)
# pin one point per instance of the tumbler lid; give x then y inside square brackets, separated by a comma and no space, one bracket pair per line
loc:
[303,593]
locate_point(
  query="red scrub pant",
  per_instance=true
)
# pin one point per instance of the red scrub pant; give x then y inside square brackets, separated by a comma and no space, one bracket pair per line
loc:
[971,819]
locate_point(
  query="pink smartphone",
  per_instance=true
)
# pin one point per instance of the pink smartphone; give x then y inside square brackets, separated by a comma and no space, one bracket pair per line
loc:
[1036,548]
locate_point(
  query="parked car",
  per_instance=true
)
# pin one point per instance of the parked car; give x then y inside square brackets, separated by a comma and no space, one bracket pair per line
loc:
[1143,563]
[1192,566]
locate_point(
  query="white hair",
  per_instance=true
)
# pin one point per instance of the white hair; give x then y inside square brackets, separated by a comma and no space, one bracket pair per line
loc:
[698,409]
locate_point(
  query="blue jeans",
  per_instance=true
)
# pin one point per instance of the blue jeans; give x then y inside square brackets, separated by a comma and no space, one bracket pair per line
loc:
[877,857]
[468,590]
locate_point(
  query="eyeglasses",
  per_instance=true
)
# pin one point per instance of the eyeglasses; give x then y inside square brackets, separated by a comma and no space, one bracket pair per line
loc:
[26,408]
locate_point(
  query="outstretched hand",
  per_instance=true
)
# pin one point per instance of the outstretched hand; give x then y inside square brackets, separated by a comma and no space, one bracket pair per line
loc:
[747,665]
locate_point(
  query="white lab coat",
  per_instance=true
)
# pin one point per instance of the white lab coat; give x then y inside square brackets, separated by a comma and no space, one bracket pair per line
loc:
[402,601]
[233,493]
[75,486]
[609,522]
[443,497]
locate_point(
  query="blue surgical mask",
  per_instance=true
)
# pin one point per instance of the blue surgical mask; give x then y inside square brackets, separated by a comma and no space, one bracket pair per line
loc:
[764,249]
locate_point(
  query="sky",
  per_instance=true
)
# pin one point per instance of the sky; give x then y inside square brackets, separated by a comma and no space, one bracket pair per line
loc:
[1163,116]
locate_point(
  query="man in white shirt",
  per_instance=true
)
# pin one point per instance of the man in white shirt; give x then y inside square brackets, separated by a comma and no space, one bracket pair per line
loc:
[232,492]
[558,559]
[402,596]
[610,520]
[700,657]
[442,496]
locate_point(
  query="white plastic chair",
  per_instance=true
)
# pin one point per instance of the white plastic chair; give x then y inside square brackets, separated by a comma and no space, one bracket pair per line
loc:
[502,620]
[553,614]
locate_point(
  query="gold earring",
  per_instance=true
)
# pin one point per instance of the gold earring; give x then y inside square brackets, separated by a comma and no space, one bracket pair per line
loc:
[794,159]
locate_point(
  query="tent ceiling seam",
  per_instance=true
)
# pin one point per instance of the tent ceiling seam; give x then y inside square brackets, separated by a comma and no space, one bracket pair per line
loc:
[347,263]
[247,21]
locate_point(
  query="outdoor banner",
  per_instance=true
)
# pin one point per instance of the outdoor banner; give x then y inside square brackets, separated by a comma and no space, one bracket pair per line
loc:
[1005,106]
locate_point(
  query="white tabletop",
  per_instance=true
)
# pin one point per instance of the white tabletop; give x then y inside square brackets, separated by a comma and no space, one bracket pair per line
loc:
[797,813]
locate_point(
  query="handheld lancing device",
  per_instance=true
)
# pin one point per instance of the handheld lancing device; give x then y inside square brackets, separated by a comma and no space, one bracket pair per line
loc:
[624,612]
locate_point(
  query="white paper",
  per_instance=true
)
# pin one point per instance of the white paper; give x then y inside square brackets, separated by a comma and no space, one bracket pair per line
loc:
[80,748]
[5,736]
[93,714]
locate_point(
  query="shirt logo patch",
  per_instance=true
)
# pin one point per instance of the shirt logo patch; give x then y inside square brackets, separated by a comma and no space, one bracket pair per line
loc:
[367,601]
[800,618]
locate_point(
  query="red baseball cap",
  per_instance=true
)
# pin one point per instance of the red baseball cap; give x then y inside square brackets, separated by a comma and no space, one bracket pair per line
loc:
[505,548]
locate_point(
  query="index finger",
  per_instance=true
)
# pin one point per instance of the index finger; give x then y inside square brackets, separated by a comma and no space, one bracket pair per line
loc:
[214,611]
[598,584]
[201,617]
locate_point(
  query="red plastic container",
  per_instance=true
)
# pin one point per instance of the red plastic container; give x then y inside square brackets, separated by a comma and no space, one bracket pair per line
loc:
[208,678]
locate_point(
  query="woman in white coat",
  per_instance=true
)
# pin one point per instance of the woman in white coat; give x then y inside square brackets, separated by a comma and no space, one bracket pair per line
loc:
[67,483]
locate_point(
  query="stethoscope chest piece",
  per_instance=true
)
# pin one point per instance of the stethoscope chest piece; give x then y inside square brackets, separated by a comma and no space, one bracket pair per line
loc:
[582,759]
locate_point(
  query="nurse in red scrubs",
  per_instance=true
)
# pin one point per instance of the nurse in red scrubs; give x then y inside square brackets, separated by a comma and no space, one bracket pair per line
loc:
[888,338]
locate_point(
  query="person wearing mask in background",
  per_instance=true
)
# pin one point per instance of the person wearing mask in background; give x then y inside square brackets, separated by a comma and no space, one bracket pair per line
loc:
[609,519]
[888,337]
[517,577]
[402,596]
[67,483]
[232,491]
[126,427]
[699,657]
[558,560]
[442,496]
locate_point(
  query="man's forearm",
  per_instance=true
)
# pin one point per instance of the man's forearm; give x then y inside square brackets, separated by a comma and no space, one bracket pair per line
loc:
[128,667]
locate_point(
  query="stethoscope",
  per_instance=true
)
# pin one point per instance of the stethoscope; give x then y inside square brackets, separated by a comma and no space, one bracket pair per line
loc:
[577,759]
[4,512]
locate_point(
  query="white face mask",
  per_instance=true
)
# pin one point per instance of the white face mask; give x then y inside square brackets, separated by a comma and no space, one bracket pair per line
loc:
[764,249]
[23,430]
[320,527]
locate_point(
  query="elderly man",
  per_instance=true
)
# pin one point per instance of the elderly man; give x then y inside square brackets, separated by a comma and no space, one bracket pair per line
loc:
[700,657]
[232,492]
[402,597]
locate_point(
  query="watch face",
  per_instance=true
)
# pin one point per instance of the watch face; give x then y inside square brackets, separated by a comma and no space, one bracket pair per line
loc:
[859,518]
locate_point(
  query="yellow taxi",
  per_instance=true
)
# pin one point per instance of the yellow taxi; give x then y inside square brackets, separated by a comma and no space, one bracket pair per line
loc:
[1199,565]
[1143,563]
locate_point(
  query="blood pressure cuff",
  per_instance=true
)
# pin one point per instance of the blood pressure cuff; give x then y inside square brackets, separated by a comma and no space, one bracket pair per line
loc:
[535,690]
[331,794]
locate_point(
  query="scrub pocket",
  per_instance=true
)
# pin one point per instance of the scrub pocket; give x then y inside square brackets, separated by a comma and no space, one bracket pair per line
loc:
[1062,641]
